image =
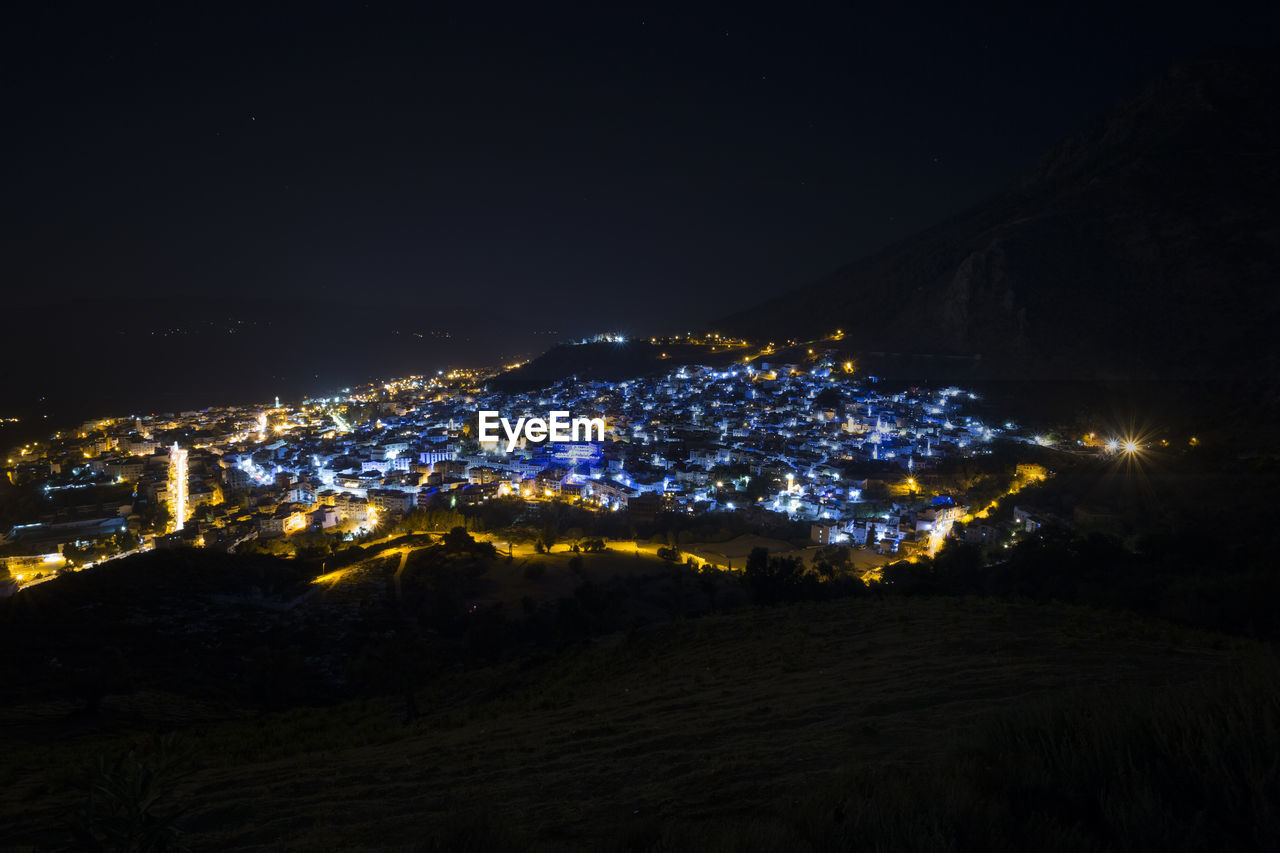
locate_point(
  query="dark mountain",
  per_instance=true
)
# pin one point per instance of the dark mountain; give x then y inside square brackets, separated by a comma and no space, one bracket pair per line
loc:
[1145,247]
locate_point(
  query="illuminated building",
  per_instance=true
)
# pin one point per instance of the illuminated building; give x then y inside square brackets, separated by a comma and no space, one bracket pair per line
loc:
[390,502]
[822,532]
[572,454]
[177,489]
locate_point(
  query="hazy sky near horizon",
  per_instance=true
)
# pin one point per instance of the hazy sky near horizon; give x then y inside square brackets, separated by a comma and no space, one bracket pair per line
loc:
[549,167]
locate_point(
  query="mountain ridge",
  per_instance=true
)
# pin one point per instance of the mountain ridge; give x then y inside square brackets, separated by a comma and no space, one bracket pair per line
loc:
[1144,246]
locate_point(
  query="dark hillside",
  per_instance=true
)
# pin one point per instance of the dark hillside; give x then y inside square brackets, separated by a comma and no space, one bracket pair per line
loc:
[768,720]
[1146,247]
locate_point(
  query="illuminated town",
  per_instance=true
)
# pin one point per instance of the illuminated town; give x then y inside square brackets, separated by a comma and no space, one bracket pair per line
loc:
[812,442]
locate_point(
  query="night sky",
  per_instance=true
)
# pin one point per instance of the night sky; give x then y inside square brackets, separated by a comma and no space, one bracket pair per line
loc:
[529,167]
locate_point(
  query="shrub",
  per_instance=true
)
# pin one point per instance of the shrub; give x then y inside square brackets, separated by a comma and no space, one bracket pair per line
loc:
[129,802]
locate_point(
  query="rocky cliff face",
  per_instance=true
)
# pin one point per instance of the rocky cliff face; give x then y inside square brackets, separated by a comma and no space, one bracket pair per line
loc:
[1146,246]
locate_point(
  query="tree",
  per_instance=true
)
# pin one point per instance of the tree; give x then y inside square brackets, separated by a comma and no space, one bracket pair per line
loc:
[457,540]
[958,569]
[710,585]
[549,537]
[770,580]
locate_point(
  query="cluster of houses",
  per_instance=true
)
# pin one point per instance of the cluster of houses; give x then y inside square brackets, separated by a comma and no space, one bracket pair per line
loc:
[811,442]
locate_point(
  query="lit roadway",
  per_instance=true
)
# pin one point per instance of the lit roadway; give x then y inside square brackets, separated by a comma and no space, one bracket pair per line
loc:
[53,574]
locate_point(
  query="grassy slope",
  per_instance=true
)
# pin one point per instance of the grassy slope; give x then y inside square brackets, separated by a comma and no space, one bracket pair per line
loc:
[719,717]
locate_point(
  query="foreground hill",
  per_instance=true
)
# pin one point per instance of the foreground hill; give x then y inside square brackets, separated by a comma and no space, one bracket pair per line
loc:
[923,723]
[1147,246]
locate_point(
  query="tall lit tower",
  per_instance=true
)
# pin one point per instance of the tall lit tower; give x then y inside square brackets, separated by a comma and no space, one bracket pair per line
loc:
[178,485]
